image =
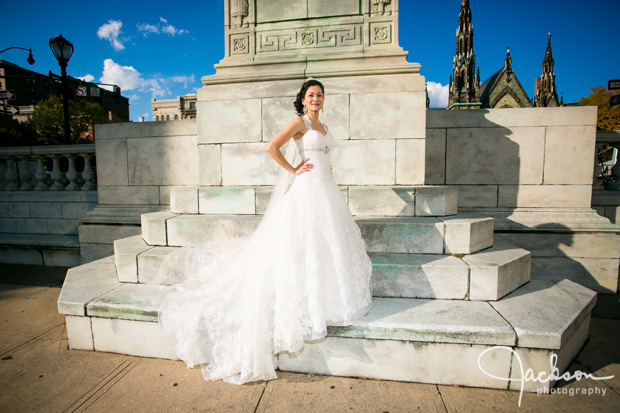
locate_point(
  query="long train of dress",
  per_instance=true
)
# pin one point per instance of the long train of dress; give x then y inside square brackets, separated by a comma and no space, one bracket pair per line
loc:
[242,303]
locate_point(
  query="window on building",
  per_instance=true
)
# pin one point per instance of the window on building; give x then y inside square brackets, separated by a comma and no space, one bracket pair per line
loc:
[167,117]
[176,117]
[192,117]
[192,105]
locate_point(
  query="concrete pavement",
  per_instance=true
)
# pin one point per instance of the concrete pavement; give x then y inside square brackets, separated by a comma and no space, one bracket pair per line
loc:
[39,373]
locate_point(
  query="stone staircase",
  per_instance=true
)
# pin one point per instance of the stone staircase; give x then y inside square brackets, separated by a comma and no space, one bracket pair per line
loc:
[444,294]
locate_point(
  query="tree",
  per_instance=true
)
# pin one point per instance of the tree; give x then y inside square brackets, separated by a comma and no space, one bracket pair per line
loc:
[608,117]
[15,133]
[48,118]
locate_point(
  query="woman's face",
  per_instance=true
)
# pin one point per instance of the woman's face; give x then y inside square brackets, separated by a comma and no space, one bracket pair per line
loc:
[314,98]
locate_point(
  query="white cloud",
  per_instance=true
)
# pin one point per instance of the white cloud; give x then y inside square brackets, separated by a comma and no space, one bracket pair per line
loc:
[87,78]
[111,31]
[147,28]
[437,94]
[186,80]
[128,78]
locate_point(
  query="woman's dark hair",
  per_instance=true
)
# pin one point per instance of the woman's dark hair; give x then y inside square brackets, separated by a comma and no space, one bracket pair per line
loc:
[299,107]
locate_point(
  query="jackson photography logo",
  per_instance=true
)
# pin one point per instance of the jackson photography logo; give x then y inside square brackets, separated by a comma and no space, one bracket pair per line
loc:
[543,377]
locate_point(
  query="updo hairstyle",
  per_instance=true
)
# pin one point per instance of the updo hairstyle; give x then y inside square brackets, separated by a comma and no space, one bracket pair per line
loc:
[299,107]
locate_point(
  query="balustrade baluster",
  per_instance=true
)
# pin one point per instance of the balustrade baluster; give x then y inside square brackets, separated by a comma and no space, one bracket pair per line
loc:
[57,174]
[25,175]
[72,174]
[41,175]
[11,174]
[87,174]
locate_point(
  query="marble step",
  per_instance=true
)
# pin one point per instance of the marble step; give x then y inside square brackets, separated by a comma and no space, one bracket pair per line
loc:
[487,275]
[458,234]
[418,340]
[401,201]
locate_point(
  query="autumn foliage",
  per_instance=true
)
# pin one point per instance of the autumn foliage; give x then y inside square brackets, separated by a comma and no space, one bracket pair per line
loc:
[608,117]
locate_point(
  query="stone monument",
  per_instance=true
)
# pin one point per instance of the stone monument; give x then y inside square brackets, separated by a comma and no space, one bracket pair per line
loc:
[446,293]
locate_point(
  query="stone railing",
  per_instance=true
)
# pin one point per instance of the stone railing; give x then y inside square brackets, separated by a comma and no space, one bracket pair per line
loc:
[53,167]
[607,143]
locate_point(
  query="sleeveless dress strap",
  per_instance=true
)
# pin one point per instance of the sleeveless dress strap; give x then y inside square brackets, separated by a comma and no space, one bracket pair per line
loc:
[307,122]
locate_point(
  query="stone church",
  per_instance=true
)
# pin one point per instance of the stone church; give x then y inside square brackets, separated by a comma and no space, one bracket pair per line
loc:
[502,89]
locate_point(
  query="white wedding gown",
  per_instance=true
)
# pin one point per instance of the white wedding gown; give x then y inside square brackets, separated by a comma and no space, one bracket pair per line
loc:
[241,304]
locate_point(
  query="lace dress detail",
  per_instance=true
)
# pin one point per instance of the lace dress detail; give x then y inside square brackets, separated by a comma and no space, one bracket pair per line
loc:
[242,304]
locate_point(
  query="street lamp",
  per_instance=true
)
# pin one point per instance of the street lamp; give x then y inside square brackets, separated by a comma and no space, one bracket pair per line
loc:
[30,58]
[63,49]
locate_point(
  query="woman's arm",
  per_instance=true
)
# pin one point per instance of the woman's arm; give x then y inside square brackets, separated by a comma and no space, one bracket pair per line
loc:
[295,127]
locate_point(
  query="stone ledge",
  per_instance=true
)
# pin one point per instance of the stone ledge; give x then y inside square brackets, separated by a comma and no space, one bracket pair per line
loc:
[40,240]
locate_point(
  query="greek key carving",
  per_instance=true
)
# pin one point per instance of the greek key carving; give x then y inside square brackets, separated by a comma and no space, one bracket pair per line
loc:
[309,38]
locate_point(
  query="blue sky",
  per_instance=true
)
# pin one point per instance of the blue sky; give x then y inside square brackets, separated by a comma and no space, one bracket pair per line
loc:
[161,49]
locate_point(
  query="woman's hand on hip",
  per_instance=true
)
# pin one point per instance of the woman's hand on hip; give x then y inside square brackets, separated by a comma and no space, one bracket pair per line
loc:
[304,166]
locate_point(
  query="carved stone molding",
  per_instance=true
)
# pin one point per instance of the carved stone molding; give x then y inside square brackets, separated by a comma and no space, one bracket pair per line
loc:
[380,33]
[239,44]
[381,7]
[305,38]
[239,10]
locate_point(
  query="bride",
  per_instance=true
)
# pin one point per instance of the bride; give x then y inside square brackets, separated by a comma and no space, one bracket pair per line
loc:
[303,269]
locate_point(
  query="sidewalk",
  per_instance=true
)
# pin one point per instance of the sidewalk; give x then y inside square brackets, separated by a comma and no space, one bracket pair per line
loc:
[39,374]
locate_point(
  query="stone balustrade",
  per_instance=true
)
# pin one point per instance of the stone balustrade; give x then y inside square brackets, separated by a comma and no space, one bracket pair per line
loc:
[53,167]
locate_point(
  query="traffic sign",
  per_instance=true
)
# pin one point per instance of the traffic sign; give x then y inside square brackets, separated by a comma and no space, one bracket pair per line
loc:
[613,84]
[7,95]
[80,91]
[11,110]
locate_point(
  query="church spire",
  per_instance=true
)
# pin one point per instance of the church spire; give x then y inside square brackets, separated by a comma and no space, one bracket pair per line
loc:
[464,90]
[545,93]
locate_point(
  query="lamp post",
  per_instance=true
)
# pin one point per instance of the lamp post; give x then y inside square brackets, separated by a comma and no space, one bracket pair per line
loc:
[63,49]
[30,59]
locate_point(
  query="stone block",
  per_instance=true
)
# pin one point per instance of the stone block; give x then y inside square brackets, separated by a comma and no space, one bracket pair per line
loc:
[244,114]
[61,257]
[45,210]
[210,169]
[76,210]
[31,225]
[477,195]
[127,302]
[364,162]
[126,253]
[382,201]
[438,363]
[435,160]
[277,113]
[597,274]
[419,276]
[85,283]
[280,10]
[17,255]
[496,155]
[402,235]
[539,361]
[151,262]
[111,162]
[466,234]
[8,225]
[490,118]
[395,115]
[154,227]
[63,226]
[110,131]
[130,337]
[15,210]
[436,200]
[263,194]
[410,161]
[564,304]
[164,195]
[248,164]
[93,252]
[497,271]
[129,195]
[106,234]
[549,196]
[184,200]
[227,200]
[79,332]
[325,8]
[564,244]
[569,151]
[195,230]
[170,160]
[336,114]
